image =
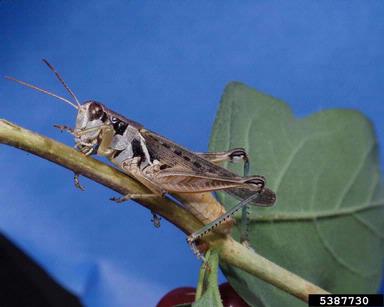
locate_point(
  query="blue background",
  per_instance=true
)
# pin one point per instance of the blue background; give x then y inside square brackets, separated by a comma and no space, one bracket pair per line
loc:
[164,64]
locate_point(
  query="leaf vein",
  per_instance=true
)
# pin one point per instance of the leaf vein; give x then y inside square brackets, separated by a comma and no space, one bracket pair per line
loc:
[337,258]
[292,156]
[368,226]
[350,183]
[360,219]
[305,216]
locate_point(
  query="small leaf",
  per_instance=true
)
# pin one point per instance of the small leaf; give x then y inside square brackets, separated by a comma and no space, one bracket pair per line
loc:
[208,282]
[327,224]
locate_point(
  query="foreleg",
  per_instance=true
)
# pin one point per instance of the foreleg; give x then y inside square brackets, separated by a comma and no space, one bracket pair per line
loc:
[86,149]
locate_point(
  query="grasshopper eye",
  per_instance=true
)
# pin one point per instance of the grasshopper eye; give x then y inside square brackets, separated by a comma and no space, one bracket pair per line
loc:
[95,111]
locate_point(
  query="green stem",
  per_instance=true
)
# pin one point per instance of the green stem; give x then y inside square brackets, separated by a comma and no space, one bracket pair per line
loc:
[242,257]
[202,277]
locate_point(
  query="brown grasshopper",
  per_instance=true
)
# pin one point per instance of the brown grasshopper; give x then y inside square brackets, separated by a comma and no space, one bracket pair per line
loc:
[161,165]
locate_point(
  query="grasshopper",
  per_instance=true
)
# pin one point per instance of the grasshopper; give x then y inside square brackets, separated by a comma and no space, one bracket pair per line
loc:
[163,166]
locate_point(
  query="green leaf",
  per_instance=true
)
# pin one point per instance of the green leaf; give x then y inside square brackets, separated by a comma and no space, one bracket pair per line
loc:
[327,225]
[208,283]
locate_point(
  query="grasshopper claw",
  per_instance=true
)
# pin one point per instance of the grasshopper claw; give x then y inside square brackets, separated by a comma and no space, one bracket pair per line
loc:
[191,242]
[119,200]
[206,266]
[247,244]
[77,182]
[155,220]
[64,128]
[132,196]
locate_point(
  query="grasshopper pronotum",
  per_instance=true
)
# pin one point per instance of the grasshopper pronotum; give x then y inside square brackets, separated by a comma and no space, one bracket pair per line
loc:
[160,164]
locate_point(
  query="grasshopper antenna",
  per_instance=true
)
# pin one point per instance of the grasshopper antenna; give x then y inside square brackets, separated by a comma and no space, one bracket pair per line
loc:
[42,91]
[62,81]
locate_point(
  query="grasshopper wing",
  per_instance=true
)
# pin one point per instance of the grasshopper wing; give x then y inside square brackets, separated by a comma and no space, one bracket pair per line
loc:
[184,170]
[181,180]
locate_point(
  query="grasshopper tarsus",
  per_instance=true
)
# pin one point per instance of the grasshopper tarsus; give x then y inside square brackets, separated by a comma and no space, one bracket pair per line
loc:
[63,128]
[127,197]
[244,225]
[246,167]
[206,266]
[77,182]
[196,251]
[192,244]
[247,244]
[118,200]
[155,220]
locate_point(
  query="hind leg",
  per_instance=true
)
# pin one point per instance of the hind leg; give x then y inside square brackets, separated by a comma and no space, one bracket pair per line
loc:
[234,155]
[211,226]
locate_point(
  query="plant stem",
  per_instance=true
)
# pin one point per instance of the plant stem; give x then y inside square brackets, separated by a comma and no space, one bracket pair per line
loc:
[202,277]
[244,258]
[230,251]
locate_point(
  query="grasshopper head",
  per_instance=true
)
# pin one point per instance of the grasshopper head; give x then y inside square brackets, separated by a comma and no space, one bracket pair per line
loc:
[90,119]
[91,115]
